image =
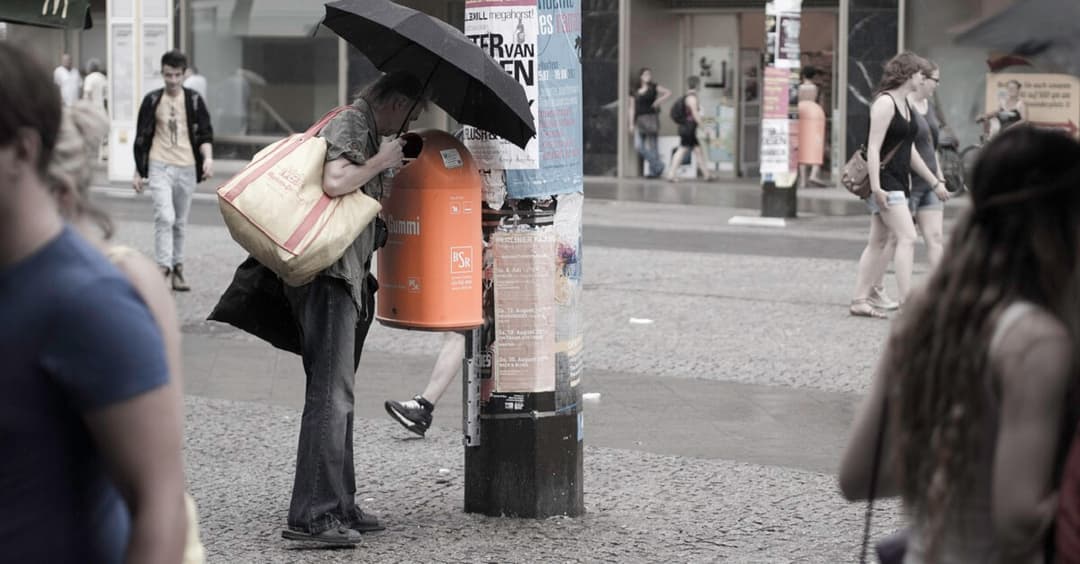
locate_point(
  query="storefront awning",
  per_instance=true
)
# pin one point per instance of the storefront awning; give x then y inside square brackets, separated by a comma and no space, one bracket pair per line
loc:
[60,14]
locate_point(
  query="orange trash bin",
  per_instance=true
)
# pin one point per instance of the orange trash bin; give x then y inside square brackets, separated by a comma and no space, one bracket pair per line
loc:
[430,268]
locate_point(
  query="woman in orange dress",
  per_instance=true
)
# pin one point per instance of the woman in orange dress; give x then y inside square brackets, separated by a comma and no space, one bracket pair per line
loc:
[811,131]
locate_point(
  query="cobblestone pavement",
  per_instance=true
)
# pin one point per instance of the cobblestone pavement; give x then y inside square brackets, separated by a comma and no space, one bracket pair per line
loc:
[718,318]
[760,320]
[639,507]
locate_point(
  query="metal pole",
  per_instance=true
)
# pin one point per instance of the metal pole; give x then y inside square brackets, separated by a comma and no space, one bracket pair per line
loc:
[471,389]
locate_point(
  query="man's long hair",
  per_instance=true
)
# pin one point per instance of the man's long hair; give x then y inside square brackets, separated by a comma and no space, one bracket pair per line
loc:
[1018,242]
[394,84]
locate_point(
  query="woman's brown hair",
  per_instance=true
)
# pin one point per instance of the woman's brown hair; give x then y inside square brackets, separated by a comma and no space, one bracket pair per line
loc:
[1018,242]
[900,69]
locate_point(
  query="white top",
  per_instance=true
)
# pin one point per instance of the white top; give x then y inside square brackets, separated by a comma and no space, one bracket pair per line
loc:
[69,81]
[96,89]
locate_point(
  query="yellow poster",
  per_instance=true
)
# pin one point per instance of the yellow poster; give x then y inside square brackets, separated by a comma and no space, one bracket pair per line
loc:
[1052,100]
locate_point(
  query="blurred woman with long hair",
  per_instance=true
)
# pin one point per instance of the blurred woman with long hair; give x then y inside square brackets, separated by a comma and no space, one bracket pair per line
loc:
[892,135]
[975,389]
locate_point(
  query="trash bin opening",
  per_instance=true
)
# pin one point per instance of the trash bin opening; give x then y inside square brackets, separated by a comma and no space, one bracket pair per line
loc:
[414,145]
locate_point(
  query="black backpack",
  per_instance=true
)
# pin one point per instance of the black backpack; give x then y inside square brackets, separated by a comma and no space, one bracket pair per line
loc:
[678,111]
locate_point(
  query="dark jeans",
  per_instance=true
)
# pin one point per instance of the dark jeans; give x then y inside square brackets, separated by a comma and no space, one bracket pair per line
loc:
[646,146]
[332,335]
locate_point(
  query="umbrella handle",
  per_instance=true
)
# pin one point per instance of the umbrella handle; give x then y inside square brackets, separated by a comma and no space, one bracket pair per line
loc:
[416,102]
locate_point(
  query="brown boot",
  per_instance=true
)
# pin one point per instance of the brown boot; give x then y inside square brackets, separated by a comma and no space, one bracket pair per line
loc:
[178,283]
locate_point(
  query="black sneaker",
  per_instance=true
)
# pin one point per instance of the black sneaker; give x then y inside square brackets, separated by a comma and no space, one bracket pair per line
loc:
[414,414]
[366,523]
[334,536]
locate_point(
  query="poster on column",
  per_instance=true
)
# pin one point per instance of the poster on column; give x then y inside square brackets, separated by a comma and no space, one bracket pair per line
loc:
[507,31]
[524,275]
[788,26]
[779,125]
[775,150]
[775,131]
[569,317]
[559,131]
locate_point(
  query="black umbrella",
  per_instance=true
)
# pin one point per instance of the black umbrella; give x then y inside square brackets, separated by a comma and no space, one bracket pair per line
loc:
[459,76]
[1047,31]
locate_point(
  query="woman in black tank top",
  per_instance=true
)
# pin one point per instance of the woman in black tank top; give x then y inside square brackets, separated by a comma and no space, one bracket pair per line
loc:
[891,160]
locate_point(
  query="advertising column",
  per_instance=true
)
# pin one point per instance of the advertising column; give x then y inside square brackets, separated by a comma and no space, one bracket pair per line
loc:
[138,34]
[528,462]
[780,111]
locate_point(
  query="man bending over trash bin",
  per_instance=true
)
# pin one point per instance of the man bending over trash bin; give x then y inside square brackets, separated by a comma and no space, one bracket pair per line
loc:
[334,312]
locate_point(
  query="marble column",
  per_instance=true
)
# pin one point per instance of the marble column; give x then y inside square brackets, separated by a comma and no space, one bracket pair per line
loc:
[872,40]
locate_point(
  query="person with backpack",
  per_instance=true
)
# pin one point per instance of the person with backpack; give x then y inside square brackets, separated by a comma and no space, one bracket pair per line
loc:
[974,398]
[686,113]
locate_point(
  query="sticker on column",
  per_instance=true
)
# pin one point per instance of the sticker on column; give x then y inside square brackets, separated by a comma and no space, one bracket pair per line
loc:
[451,158]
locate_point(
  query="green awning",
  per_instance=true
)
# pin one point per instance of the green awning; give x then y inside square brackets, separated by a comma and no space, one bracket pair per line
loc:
[69,14]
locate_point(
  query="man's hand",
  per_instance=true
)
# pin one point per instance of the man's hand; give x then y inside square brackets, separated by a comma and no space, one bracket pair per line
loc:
[208,168]
[137,183]
[390,153]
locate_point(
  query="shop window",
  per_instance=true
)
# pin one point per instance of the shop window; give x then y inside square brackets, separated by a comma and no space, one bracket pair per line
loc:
[266,75]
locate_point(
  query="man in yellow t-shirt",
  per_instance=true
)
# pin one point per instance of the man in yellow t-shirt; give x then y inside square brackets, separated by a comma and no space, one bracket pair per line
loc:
[173,152]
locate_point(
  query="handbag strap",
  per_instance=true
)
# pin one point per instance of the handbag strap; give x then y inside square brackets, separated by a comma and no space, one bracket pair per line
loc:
[891,154]
[874,471]
[260,166]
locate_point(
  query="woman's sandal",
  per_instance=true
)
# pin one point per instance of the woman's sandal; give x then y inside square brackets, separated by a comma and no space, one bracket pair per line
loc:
[862,308]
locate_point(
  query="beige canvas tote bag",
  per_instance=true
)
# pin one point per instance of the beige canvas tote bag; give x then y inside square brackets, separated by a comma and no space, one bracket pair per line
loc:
[275,208]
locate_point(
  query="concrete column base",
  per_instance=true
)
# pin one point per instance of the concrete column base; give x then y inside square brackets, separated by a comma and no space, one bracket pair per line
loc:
[779,202]
[526,467]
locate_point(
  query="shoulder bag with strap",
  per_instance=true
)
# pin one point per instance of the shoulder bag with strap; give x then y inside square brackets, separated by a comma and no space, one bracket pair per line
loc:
[855,176]
[275,208]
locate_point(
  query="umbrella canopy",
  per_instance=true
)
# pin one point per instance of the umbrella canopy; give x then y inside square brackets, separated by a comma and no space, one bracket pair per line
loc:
[462,79]
[1046,30]
[63,14]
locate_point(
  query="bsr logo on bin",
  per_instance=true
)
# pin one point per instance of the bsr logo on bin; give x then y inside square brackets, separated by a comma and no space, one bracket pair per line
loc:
[403,226]
[461,260]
